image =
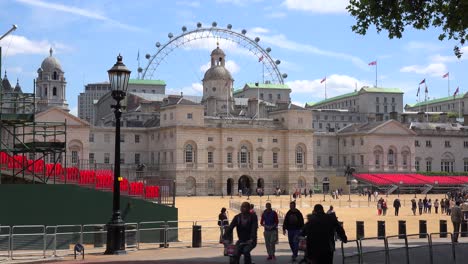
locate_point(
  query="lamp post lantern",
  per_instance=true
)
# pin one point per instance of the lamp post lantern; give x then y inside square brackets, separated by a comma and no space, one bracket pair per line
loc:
[119,75]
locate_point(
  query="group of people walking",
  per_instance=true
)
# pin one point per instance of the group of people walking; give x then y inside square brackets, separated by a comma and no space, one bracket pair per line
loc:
[319,230]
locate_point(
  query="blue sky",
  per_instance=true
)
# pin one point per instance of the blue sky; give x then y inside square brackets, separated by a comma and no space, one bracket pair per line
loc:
[313,39]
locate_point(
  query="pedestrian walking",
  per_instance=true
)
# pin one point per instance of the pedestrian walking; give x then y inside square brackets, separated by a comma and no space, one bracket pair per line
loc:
[413,206]
[436,206]
[420,206]
[293,224]
[223,223]
[269,221]
[396,205]
[457,218]
[384,207]
[320,232]
[310,193]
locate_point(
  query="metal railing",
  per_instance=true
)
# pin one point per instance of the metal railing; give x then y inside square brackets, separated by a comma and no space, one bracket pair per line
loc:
[413,248]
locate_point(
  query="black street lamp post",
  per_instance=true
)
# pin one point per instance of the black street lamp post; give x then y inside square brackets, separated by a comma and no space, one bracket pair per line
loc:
[118,77]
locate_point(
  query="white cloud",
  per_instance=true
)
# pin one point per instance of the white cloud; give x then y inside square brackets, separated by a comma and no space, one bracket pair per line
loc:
[336,84]
[318,6]
[423,46]
[193,89]
[433,69]
[450,58]
[14,44]
[231,66]
[282,42]
[259,30]
[78,11]
[74,111]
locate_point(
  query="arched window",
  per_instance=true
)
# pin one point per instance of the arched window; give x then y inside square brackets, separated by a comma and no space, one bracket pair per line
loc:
[391,157]
[244,155]
[55,76]
[299,155]
[54,91]
[189,153]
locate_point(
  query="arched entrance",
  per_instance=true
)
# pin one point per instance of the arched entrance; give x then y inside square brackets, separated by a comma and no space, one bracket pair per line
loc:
[229,186]
[244,184]
[260,183]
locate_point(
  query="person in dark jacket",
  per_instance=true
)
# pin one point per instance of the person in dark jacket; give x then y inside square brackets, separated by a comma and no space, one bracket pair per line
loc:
[269,221]
[293,223]
[396,205]
[246,225]
[223,223]
[320,232]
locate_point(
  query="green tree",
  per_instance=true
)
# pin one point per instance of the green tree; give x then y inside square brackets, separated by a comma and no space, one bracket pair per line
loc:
[451,16]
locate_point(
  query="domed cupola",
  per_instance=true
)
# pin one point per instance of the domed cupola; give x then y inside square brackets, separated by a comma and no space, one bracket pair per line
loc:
[51,64]
[51,84]
[217,85]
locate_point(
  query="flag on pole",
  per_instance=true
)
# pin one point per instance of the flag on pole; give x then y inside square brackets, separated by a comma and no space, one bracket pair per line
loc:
[456,92]
[372,63]
[419,88]
[260,59]
[426,91]
[138,55]
[423,81]
[324,79]
[445,75]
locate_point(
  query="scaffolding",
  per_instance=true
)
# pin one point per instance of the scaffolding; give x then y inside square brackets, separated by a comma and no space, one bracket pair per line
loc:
[27,143]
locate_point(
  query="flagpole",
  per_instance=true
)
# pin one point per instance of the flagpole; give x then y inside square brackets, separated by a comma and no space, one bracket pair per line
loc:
[227,99]
[448,84]
[325,87]
[419,98]
[375,73]
[425,101]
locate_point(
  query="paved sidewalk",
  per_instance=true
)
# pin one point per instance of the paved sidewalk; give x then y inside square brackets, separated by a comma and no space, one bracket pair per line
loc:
[179,255]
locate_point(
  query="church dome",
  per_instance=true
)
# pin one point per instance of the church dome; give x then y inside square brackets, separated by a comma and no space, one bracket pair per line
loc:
[51,63]
[217,73]
[218,52]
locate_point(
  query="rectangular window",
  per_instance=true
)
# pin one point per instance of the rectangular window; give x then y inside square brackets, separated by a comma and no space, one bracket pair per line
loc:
[447,144]
[275,157]
[319,161]
[345,161]
[377,109]
[189,115]
[465,165]
[385,99]
[171,115]
[106,158]
[320,125]
[261,96]
[270,96]
[210,157]
[137,158]
[362,160]
[465,144]
[229,139]
[416,143]
[91,158]
[318,142]
[278,96]
[353,161]
[428,144]
[428,165]
[259,140]
[91,137]
[352,142]
[122,158]
[260,159]
[330,161]
[275,140]
[362,141]
[210,138]
[74,158]
[229,157]
[417,165]
[377,99]
[393,99]
[106,138]
[385,109]
[393,108]
[122,138]
[137,138]
[344,142]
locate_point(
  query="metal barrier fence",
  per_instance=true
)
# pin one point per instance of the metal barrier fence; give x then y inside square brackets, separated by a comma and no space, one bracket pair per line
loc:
[38,241]
[415,248]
